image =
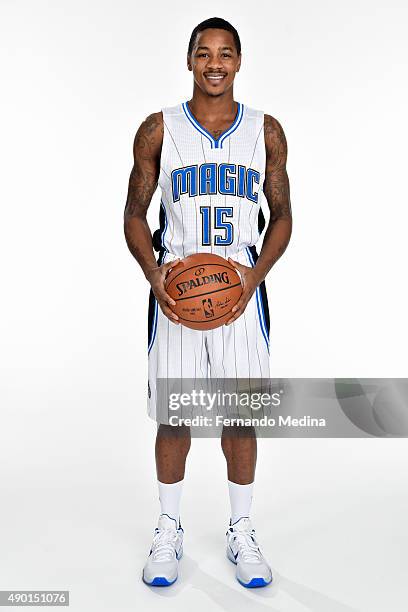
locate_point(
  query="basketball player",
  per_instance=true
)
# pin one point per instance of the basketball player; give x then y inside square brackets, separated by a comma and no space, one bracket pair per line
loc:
[213,157]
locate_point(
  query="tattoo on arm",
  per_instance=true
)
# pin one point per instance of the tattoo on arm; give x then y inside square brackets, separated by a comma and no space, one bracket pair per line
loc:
[144,175]
[276,190]
[142,185]
[276,184]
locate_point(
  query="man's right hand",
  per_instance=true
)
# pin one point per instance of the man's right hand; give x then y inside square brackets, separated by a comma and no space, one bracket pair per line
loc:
[156,278]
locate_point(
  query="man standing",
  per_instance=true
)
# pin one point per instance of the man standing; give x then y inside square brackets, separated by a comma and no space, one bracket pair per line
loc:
[212,157]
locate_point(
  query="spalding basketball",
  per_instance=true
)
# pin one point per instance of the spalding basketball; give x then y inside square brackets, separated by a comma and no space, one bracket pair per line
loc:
[205,287]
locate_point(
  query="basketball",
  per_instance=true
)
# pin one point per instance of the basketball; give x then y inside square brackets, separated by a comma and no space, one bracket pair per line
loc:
[205,288]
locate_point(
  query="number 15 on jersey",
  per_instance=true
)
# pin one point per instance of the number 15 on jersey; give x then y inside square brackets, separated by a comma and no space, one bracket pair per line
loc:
[216,219]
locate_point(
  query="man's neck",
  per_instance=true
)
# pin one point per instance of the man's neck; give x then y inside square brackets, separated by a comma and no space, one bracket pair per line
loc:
[212,107]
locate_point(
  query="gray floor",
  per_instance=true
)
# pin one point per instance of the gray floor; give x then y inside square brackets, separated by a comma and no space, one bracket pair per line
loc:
[79,506]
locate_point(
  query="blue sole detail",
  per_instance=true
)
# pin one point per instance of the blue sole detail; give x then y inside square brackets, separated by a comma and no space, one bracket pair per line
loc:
[255,583]
[160,581]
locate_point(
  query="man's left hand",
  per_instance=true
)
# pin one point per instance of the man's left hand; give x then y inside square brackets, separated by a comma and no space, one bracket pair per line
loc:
[250,281]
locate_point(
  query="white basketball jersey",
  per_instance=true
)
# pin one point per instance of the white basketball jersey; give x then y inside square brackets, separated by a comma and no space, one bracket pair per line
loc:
[211,189]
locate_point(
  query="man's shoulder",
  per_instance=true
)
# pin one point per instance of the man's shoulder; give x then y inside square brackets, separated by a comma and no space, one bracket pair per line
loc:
[176,109]
[152,122]
[272,128]
[271,122]
[275,139]
[251,112]
[155,121]
[149,136]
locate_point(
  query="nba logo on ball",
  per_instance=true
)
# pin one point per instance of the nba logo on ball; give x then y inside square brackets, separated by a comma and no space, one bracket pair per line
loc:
[208,308]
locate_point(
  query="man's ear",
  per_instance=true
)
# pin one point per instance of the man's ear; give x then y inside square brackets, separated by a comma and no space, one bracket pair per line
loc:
[189,66]
[239,63]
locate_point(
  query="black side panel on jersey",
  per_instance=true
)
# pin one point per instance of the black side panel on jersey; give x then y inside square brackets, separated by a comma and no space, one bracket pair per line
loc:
[261,221]
[150,317]
[152,302]
[157,234]
[262,289]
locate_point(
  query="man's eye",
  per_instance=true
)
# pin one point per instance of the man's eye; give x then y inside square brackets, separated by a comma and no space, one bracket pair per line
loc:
[202,54]
[226,55]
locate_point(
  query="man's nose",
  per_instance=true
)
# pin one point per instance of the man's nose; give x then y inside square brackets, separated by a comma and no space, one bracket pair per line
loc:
[214,63]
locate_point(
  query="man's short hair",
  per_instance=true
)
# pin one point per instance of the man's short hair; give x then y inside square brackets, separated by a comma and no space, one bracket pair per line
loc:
[218,23]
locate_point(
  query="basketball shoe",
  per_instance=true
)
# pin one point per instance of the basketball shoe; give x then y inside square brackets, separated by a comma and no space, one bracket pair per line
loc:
[161,568]
[243,550]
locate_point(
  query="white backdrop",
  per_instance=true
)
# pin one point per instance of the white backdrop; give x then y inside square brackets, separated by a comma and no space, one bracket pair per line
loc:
[78,483]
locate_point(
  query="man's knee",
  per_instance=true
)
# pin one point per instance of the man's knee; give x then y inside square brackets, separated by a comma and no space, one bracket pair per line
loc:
[237,431]
[173,432]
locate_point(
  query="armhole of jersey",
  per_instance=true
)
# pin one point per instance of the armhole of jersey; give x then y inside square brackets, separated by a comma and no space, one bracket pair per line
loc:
[263,132]
[263,217]
[164,147]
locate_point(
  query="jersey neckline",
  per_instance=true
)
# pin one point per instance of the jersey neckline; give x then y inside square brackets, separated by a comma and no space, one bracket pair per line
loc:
[216,143]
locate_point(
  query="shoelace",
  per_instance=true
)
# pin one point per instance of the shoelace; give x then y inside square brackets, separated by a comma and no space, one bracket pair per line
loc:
[163,547]
[247,547]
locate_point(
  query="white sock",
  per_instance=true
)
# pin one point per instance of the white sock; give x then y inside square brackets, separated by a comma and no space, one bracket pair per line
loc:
[241,499]
[170,496]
